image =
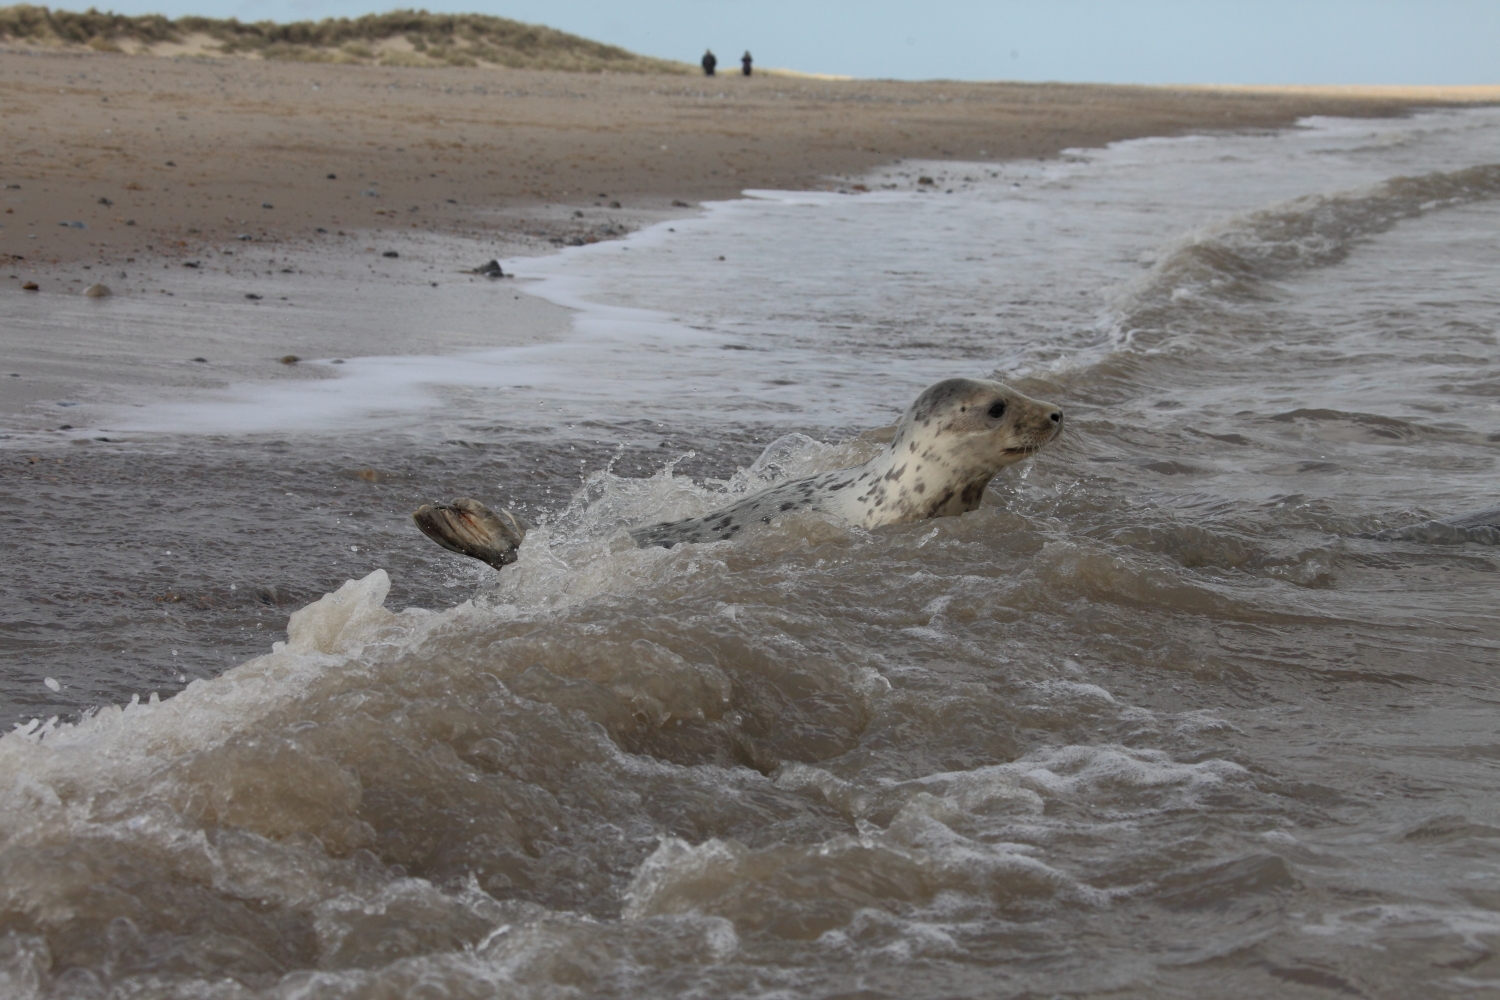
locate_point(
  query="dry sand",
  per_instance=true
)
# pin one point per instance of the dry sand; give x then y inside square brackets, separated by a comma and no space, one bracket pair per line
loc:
[291,180]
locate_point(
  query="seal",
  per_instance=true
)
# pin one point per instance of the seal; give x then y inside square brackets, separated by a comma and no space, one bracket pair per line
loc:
[953,439]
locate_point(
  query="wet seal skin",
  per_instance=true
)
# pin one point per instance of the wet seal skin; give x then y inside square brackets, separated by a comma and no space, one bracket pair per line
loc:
[953,439]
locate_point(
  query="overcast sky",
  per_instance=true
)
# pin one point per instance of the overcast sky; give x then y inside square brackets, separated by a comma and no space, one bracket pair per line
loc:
[1113,41]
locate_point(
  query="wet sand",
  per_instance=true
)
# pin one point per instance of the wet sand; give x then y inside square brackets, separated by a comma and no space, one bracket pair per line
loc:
[189,184]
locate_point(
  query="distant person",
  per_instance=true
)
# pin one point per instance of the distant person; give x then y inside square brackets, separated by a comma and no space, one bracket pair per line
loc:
[709,62]
[745,62]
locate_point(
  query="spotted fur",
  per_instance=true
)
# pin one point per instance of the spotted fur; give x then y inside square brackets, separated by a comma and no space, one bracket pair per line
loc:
[948,446]
[945,451]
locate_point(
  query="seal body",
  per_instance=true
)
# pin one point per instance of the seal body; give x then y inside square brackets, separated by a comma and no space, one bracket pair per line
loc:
[948,446]
[953,439]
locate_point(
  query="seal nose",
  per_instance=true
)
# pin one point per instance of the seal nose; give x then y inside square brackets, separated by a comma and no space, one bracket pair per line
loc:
[1056,416]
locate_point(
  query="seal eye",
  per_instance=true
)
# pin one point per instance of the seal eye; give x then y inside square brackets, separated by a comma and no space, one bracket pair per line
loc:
[997,409]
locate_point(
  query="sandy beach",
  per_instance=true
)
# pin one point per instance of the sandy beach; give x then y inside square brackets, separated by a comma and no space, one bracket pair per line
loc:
[267,192]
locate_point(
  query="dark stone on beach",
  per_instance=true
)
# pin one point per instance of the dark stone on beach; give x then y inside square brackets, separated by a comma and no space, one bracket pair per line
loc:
[333,177]
[129,222]
[577,214]
[75,224]
[105,201]
[66,427]
[490,270]
[201,361]
[266,204]
[171,164]
[192,263]
[251,295]
[614,204]
[320,229]
[29,286]
[390,253]
[576,241]
[289,359]
[679,203]
[925,180]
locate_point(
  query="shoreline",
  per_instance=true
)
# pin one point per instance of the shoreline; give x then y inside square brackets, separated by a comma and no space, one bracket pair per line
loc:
[259,197]
[200,150]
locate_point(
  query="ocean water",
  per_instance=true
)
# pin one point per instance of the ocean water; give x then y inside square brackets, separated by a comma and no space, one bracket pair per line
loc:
[1201,702]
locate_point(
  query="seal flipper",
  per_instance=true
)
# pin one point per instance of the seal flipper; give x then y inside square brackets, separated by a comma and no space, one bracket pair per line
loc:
[471,529]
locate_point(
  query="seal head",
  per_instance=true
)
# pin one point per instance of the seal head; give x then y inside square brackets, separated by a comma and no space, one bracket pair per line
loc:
[955,437]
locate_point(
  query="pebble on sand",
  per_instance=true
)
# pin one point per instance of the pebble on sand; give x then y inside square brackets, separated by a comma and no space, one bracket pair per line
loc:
[252,296]
[52,685]
[390,253]
[490,270]
[289,359]
[30,286]
[97,291]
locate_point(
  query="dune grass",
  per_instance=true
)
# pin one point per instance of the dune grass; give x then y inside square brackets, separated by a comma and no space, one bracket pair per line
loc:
[403,37]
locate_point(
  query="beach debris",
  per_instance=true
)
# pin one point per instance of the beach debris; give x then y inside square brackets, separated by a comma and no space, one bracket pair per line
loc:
[266,204]
[289,359]
[74,224]
[925,180]
[490,270]
[201,361]
[97,291]
[129,222]
[52,685]
[171,164]
[65,427]
[390,253]
[244,236]
[614,204]
[105,202]
[333,177]
[252,295]
[320,229]
[576,241]
[29,286]
[679,203]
